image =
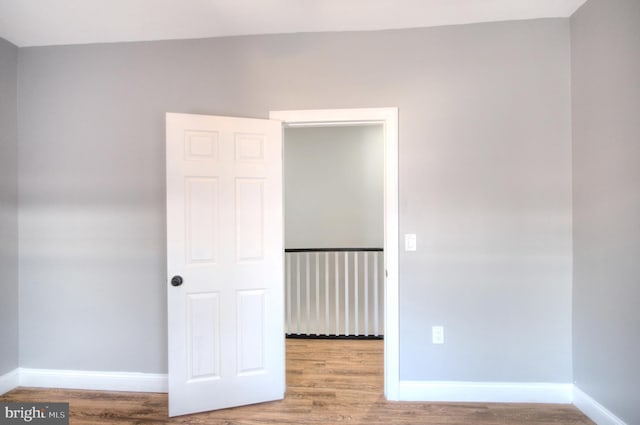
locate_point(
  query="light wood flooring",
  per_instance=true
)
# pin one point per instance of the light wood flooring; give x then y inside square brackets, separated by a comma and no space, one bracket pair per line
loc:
[328,382]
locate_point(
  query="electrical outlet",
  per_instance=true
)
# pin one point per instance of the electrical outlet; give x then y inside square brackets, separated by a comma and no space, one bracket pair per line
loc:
[437,334]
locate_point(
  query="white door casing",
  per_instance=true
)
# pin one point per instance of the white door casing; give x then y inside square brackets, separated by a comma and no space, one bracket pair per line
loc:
[225,239]
[389,118]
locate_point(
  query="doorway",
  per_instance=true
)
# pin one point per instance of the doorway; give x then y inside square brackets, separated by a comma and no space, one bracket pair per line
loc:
[388,119]
[334,231]
[224,189]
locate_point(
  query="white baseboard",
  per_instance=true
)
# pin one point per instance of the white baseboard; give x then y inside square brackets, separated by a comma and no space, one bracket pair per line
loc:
[9,381]
[434,391]
[594,410]
[90,380]
[485,392]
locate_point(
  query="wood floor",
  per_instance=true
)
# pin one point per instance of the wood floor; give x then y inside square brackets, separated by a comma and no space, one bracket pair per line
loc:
[328,382]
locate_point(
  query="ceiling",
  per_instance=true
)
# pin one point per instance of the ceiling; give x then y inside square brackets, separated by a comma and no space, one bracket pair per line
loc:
[55,22]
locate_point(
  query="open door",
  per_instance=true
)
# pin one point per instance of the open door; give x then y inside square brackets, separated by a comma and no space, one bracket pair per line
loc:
[225,286]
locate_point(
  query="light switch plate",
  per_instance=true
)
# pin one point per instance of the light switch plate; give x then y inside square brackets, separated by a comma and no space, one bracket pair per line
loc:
[437,334]
[410,242]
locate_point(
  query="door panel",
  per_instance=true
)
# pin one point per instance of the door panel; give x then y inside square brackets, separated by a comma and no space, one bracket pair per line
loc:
[225,239]
[202,204]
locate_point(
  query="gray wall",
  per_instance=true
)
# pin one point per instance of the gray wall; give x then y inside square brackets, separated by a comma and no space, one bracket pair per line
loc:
[605,37]
[485,182]
[8,208]
[334,187]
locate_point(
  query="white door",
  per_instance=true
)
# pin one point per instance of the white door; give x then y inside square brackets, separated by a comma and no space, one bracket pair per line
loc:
[224,262]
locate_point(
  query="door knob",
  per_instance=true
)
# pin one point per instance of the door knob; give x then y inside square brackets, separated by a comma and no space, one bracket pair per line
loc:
[176,281]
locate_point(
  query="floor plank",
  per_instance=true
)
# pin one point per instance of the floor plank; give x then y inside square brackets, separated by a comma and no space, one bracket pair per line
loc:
[328,382]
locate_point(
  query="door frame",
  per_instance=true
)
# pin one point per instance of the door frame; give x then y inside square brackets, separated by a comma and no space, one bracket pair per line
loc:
[388,117]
